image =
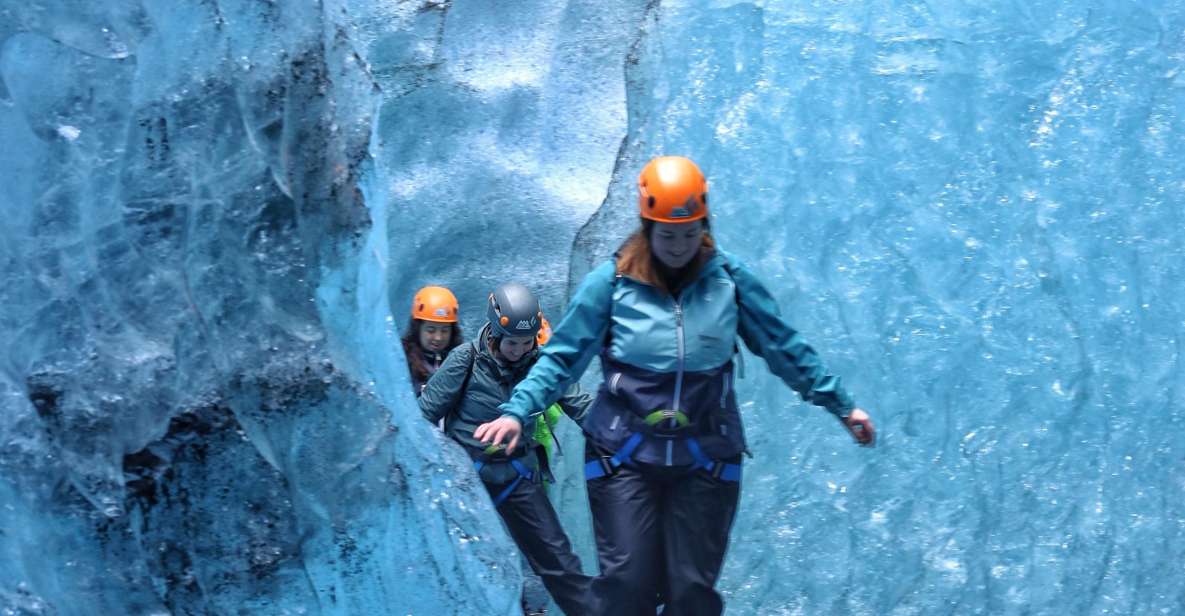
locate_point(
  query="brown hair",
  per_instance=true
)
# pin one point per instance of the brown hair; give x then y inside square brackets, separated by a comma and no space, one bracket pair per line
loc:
[415,355]
[635,259]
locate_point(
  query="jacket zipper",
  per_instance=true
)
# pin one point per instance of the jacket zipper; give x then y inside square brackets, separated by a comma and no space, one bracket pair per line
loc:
[680,350]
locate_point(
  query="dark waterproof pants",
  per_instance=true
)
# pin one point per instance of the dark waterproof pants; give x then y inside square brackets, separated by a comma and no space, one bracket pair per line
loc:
[661,532]
[533,524]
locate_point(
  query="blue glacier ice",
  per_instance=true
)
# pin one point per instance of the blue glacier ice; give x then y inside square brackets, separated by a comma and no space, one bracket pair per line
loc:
[205,410]
[215,213]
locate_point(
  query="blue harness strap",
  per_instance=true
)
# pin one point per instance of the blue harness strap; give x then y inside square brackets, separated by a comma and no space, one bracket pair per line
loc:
[718,469]
[523,473]
[605,466]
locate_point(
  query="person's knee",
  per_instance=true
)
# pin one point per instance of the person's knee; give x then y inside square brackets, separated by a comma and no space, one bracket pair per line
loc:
[627,587]
[695,598]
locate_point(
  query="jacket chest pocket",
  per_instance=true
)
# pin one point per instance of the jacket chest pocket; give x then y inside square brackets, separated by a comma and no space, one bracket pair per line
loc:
[711,325]
[482,406]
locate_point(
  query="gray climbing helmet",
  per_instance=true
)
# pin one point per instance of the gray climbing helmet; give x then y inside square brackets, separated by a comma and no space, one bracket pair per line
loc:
[514,311]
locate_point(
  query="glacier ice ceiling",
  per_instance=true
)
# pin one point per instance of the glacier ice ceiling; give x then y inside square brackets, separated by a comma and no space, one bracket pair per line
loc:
[216,211]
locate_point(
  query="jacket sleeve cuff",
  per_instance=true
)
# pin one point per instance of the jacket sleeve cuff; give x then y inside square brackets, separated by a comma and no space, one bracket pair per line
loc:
[843,407]
[512,413]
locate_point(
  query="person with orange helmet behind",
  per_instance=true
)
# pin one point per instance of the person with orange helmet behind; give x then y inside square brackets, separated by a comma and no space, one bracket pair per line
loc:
[544,332]
[432,332]
[664,437]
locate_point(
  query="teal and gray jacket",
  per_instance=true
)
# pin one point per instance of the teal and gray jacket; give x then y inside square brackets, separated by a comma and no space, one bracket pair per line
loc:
[667,360]
[465,405]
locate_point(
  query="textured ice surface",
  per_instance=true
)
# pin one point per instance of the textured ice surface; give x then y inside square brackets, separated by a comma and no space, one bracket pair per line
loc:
[972,210]
[204,411]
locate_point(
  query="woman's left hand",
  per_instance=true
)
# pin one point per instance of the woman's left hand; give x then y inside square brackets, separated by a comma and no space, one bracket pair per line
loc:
[859,424]
[499,430]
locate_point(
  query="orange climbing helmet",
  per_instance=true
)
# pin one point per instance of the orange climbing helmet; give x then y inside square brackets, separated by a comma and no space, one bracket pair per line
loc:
[544,334]
[436,304]
[672,189]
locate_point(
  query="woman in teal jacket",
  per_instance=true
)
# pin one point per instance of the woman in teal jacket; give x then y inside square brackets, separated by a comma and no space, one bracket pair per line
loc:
[664,435]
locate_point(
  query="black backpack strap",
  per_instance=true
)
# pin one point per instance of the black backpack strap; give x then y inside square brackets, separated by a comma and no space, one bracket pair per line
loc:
[464,383]
[469,373]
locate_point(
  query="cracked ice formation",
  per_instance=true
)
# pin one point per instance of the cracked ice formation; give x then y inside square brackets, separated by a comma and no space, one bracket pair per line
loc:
[204,411]
[972,212]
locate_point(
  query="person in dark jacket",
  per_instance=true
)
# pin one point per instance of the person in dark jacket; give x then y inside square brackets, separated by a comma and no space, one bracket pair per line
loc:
[664,436]
[432,333]
[466,392]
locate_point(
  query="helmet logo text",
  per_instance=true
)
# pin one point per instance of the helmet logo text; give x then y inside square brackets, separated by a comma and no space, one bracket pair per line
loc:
[687,210]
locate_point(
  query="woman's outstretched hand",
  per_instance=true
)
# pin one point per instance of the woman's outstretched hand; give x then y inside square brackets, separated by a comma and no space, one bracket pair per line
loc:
[859,424]
[499,430]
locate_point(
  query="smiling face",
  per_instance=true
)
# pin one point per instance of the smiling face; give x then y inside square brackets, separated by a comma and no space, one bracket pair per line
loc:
[434,337]
[675,244]
[514,347]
